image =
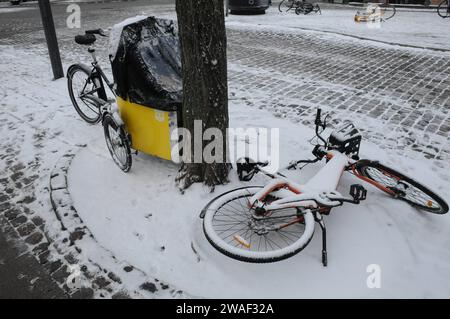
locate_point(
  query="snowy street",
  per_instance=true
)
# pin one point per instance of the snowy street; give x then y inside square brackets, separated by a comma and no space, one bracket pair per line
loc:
[134,235]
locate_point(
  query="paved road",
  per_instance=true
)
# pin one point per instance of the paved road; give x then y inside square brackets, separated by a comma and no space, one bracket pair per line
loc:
[379,86]
[399,97]
[21,275]
[30,264]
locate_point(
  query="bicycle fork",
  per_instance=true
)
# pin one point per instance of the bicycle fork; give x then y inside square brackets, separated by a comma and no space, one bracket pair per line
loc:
[318,218]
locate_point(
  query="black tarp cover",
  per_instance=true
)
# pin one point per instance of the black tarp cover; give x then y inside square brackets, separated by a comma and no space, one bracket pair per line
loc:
[147,64]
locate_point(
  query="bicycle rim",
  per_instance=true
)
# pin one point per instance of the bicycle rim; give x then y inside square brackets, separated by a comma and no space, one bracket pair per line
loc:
[443,9]
[404,188]
[230,226]
[80,85]
[387,12]
[117,145]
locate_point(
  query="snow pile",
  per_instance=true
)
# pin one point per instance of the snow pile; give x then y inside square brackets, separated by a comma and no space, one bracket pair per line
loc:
[116,32]
[144,220]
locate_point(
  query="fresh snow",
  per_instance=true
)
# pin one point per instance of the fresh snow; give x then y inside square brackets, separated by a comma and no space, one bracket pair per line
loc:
[404,28]
[144,220]
[116,32]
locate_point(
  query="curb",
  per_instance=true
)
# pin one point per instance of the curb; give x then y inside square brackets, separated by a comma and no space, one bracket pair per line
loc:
[104,282]
[374,40]
[410,46]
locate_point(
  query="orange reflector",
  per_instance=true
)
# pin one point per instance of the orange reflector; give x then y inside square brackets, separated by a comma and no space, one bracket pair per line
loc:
[241,241]
[430,203]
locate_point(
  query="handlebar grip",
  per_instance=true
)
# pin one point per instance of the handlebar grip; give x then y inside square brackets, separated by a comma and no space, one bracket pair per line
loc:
[96,31]
[318,116]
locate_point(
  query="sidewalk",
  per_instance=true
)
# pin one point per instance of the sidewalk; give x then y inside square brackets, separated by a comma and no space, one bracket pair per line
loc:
[278,76]
[21,275]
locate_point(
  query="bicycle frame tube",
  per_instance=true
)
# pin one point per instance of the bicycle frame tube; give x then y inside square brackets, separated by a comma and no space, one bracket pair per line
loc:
[105,78]
[98,75]
[326,180]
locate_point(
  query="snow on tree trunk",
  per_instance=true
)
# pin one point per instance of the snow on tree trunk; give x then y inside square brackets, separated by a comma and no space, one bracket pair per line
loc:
[201,26]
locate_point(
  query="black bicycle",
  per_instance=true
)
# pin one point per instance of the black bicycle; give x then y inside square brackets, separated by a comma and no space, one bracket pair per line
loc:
[89,98]
[85,82]
[299,6]
[444,9]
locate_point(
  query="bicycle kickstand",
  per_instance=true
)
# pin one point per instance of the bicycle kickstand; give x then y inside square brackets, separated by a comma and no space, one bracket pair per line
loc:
[319,219]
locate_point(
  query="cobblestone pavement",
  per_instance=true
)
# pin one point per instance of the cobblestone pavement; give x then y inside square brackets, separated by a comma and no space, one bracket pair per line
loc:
[388,91]
[399,97]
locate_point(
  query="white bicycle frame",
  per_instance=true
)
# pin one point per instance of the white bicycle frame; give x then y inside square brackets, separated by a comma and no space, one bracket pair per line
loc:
[319,190]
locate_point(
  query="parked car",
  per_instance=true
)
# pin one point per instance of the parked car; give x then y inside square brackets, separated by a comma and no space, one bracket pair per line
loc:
[16,2]
[248,6]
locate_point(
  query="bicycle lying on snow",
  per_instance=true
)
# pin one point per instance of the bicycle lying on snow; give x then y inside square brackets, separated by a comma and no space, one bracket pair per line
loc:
[271,223]
[443,9]
[299,6]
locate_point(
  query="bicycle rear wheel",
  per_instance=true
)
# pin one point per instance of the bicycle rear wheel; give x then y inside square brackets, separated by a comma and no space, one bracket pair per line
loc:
[401,186]
[443,9]
[79,84]
[387,11]
[285,3]
[239,232]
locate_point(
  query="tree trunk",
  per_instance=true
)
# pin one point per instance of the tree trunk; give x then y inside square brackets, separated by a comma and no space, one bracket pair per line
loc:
[201,25]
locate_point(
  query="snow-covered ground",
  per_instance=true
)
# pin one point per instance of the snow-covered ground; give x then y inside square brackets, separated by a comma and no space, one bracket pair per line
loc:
[421,28]
[14,9]
[143,220]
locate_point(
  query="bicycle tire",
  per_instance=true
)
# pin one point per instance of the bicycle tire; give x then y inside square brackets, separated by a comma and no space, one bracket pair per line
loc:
[443,9]
[289,5]
[247,255]
[387,11]
[371,170]
[299,10]
[96,114]
[123,159]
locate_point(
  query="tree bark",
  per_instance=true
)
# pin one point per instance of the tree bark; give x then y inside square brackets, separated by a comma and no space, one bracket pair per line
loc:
[201,25]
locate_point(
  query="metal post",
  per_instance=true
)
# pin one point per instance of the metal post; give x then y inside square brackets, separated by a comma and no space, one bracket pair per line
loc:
[50,36]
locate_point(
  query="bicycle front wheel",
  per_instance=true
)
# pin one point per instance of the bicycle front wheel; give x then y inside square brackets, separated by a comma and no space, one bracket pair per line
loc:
[117,143]
[80,84]
[239,232]
[387,11]
[401,186]
[443,9]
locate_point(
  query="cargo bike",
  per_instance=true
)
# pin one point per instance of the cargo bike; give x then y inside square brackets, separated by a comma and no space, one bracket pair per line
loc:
[144,104]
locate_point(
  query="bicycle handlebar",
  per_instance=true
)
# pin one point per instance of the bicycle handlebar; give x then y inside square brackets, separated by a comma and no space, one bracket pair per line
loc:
[318,122]
[96,31]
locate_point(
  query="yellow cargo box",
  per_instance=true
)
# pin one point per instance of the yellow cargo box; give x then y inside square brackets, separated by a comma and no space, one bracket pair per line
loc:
[150,128]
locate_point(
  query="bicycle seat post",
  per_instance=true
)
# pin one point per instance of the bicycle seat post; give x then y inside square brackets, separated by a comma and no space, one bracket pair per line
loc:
[91,50]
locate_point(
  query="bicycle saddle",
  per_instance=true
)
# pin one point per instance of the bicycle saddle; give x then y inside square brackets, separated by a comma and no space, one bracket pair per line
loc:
[86,39]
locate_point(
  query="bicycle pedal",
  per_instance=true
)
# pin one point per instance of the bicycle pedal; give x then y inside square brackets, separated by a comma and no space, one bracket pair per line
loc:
[358,192]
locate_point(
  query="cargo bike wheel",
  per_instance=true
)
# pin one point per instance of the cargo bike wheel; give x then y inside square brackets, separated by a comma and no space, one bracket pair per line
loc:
[118,142]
